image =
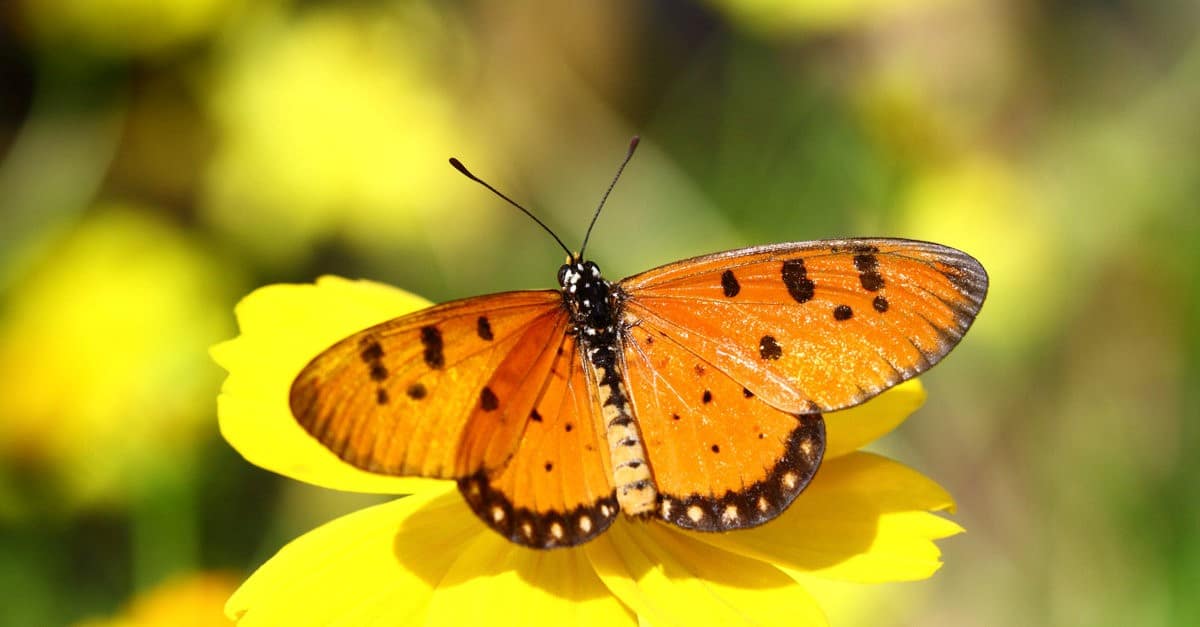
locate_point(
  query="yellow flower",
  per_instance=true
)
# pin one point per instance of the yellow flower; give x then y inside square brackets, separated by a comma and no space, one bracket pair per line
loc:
[101,350]
[777,17]
[426,559]
[326,123]
[192,600]
[125,27]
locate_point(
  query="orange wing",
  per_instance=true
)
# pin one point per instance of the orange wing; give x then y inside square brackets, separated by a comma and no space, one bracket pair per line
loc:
[557,489]
[721,457]
[814,326]
[444,392]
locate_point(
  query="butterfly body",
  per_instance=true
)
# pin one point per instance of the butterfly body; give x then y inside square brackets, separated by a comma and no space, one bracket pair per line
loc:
[595,308]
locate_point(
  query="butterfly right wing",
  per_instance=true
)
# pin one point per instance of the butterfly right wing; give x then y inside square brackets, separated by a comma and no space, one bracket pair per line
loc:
[443,392]
[722,457]
[815,326]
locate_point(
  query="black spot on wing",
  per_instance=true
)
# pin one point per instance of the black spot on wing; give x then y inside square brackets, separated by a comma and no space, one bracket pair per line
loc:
[417,391]
[880,304]
[768,348]
[488,400]
[372,352]
[431,339]
[729,284]
[795,278]
[381,396]
[842,313]
[871,281]
[372,356]
[707,397]
[866,262]
[484,328]
[867,265]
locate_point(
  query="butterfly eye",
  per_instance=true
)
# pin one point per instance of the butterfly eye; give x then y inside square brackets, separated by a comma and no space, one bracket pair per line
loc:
[562,274]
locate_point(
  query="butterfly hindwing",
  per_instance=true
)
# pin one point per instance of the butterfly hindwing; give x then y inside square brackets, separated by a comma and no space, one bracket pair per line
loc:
[814,326]
[443,392]
[722,458]
[556,488]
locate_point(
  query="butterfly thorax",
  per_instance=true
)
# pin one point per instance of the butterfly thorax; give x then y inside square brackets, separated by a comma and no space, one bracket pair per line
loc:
[595,308]
[591,300]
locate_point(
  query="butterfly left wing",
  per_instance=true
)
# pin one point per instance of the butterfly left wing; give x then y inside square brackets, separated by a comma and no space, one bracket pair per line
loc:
[556,489]
[814,326]
[443,392]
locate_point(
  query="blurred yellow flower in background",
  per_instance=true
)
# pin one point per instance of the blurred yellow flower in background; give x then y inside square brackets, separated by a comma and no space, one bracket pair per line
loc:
[102,369]
[426,559]
[325,125]
[785,16]
[193,600]
[979,203]
[125,27]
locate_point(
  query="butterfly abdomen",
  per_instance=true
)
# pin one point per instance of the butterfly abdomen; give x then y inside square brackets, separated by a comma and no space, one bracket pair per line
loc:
[636,492]
[595,309]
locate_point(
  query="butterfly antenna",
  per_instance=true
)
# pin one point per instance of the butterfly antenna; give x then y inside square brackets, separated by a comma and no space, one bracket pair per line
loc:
[633,144]
[467,173]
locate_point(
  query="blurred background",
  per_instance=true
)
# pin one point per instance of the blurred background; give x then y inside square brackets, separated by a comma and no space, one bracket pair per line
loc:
[161,158]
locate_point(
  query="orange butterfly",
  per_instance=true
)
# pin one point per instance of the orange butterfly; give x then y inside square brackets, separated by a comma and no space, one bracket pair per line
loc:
[692,392]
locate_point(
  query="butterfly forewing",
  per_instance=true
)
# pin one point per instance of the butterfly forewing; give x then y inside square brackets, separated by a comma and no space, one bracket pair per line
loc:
[556,488]
[722,458]
[814,326]
[398,397]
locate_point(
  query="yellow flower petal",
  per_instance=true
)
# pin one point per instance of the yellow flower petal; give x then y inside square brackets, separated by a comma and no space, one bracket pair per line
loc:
[282,328]
[669,578]
[424,559]
[863,518]
[851,429]
[495,582]
[375,566]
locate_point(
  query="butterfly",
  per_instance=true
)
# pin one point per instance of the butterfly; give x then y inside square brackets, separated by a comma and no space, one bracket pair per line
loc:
[691,393]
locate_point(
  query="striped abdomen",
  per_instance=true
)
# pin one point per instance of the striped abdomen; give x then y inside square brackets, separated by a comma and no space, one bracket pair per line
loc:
[634,484]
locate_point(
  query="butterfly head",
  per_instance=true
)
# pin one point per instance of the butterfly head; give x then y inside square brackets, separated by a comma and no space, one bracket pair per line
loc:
[588,297]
